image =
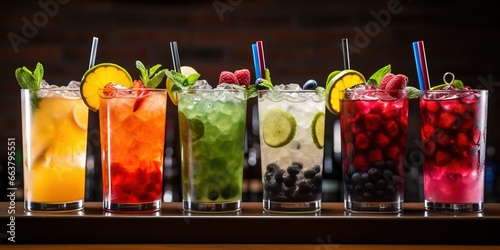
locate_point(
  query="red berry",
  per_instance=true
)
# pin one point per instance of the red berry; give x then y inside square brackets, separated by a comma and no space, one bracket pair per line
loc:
[463,141]
[375,155]
[441,138]
[362,141]
[385,80]
[398,82]
[394,153]
[382,140]
[427,131]
[446,120]
[360,162]
[392,129]
[243,76]
[228,77]
[442,158]
[372,122]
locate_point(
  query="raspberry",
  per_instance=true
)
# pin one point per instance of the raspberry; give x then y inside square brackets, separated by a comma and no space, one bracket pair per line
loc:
[228,77]
[392,129]
[382,140]
[375,155]
[442,158]
[394,153]
[385,80]
[360,162]
[442,138]
[463,141]
[372,122]
[362,141]
[433,107]
[429,147]
[398,82]
[427,131]
[243,76]
[446,120]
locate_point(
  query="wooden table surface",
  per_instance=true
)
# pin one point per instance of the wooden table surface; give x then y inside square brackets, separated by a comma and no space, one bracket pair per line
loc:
[251,228]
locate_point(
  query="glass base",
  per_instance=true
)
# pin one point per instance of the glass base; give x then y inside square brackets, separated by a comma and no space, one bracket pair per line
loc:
[211,207]
[53,207]
[374,207]
[292,207]
[132,207]
[454,207]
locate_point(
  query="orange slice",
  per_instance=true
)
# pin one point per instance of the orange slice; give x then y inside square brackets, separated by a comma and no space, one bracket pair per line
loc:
[338,82]
[97,77]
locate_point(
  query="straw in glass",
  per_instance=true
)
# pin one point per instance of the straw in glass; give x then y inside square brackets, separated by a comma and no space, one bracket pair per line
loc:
[345,53]
[262,61]
[175,56]
[416,54]
[423,64]
[93,52]
[256,62]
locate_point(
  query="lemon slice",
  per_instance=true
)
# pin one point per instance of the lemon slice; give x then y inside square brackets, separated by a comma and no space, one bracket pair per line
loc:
[318,130]
[340,81]
[278,128]
[171,87]
[97,77]
[81,115]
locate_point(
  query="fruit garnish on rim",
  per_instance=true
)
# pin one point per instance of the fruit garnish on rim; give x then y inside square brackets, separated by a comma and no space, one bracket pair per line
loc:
[454,84]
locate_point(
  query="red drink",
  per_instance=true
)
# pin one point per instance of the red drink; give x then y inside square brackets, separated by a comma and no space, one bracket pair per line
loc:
[374,125]
[453,139]
[132,141]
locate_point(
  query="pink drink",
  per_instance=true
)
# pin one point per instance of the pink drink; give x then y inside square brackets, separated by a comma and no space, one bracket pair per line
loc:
[374,126]
[453,139]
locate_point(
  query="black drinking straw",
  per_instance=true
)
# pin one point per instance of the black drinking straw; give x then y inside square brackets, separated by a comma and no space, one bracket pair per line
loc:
[345,53]
[175,56]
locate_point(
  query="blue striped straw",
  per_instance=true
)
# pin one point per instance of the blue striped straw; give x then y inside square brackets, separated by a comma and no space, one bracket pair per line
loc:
[255,53]
[420,75]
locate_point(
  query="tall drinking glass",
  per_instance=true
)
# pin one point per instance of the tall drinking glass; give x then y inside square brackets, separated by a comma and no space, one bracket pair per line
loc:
[374,126]
[291,124]
[454,140]
[132,128]
[54,122]
[212,133]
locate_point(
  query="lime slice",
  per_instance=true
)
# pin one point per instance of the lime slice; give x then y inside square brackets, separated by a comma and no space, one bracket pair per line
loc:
[318,130]
[340,81]
[172,87]
[440,86]
[190,129]
[278,128]
[97,77]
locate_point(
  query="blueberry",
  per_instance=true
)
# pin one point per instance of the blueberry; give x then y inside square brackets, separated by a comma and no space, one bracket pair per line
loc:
[299,164]
[304,187]
[374,173]
[275,188]
[289,192]
[356,178]
[309,174]
[278,176]
[293,169]
[310,85]
[365,177]
[213,194]
[317,168]
[268,176]
[369,187]
[381,184]
[259,81]
[316,180]
[290,181]
[272,167]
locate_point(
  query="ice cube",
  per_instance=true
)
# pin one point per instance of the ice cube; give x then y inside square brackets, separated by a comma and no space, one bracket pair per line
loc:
[279,87]
[202,84]
[74,84]
[293,86]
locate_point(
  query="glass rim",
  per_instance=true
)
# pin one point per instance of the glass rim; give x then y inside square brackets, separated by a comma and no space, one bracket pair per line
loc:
[452,90]
[131,89]
[291,90]
[53,89]
[210,90]
[374,90]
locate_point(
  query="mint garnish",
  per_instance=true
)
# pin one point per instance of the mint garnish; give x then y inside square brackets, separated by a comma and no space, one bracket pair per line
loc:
[378,75]
[458,84]
[180,80]
[413,93]
[28,79]
[150,78]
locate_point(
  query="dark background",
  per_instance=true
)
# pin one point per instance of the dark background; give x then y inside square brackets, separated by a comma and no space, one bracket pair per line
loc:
[301,41]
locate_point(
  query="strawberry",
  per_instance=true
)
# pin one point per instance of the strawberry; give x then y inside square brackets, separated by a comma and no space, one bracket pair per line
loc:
[385,80]
[228,77]
[397,82]
[243,76]
[109,87]
[140,93]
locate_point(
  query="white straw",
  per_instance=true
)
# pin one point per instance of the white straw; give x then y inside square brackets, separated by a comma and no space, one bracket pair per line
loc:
[93,52]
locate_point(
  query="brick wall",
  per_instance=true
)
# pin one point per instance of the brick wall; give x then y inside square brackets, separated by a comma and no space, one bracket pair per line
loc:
[301,41]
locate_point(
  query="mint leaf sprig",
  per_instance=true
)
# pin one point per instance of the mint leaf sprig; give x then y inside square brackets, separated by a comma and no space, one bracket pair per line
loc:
[28,79]
[180,80]
[151,78]
[378,75]
[260,83]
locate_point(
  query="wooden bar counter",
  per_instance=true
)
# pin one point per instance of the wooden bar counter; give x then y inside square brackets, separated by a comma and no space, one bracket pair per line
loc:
[252,227]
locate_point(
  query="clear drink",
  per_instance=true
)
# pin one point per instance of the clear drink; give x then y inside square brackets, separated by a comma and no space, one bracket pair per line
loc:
[132,127]
[212,133]
[54,122]
[291,124]
[453,140]
[374,126]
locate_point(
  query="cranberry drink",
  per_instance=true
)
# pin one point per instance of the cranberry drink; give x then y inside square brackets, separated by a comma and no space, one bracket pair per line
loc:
[453,140]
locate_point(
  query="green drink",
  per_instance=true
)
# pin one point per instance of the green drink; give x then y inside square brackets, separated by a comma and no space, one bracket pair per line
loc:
[212,133]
